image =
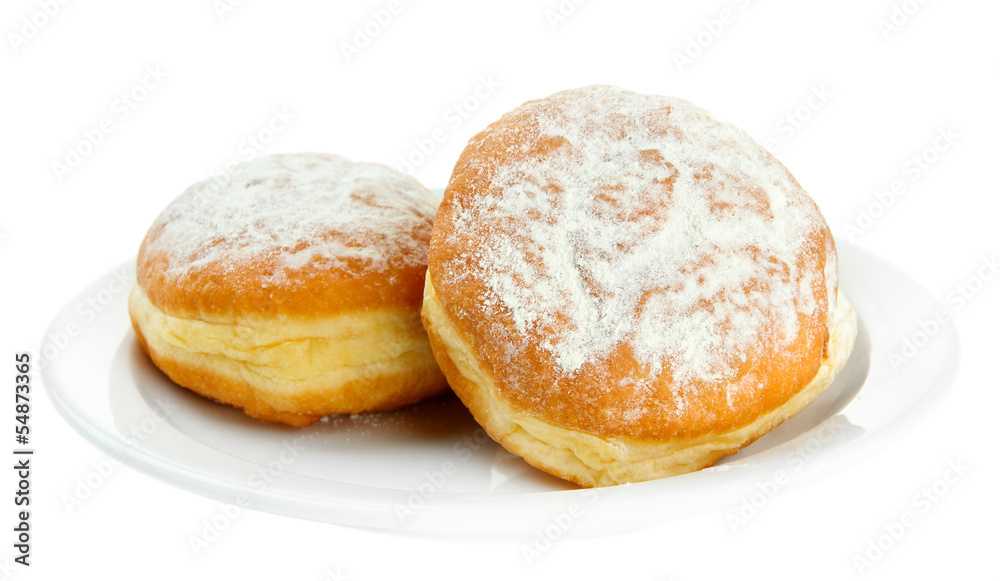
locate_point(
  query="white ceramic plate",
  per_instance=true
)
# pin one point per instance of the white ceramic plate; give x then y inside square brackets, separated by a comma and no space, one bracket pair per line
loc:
[431,469]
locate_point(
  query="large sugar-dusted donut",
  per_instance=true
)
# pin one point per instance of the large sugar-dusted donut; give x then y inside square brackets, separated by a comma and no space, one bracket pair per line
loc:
[622,288]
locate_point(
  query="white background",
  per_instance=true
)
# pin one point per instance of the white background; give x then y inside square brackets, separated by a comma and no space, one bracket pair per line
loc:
[888,91]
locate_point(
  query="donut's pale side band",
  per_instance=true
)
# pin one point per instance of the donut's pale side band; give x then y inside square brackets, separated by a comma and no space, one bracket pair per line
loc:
[292,369]
[593,460]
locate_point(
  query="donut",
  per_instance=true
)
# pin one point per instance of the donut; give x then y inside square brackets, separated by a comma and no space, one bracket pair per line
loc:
[291,289]
[622,288]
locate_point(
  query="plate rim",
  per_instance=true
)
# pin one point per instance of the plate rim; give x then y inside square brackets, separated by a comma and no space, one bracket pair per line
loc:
[225,488]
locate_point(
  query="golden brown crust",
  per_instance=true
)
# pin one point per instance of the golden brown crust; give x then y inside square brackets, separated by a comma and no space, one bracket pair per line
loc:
[589,459]
[311,290]
[260,283]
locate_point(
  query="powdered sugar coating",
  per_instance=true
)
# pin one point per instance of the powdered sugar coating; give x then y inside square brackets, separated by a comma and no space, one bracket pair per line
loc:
[615,223]
[294,210]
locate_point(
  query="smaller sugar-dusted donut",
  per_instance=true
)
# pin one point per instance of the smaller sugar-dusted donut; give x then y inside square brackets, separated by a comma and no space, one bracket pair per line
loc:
[293,291]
